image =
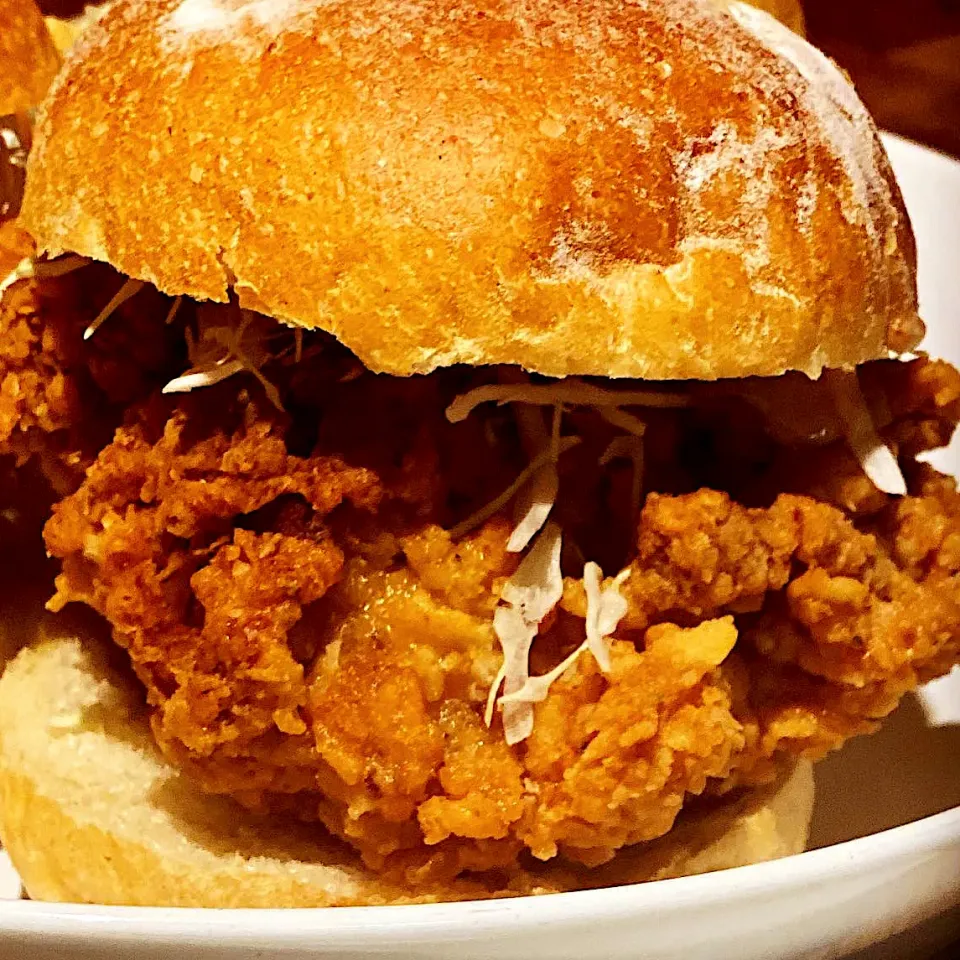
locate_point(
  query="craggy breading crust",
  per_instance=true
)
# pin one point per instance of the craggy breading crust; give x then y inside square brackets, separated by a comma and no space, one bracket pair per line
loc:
[37,398]
[313,642]
[62,397]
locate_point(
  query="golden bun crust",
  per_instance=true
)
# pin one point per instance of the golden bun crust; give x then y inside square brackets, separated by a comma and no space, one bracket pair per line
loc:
[90,812]
[28,56]
[680,189]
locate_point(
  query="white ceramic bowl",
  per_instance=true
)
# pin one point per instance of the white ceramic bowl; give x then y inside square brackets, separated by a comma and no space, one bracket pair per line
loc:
[829,902]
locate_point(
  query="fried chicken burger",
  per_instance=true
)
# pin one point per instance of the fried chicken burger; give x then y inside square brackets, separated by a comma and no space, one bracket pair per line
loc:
[513,479]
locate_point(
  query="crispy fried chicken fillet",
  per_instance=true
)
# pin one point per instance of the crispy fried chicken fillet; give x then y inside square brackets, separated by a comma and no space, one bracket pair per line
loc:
[61,397]
[313,641]
[35,397]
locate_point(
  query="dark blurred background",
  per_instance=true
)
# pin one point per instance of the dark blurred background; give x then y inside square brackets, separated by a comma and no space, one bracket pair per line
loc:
[903,56]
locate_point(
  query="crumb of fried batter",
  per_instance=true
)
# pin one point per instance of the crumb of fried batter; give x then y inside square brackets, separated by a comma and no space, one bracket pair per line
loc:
[615,756]
[61,397]
[37,398]
[313,642]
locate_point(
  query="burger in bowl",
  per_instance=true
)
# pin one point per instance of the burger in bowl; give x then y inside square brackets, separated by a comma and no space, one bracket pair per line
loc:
[512,479]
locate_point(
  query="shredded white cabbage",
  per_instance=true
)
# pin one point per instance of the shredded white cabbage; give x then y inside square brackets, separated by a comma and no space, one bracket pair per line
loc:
[528,597]
[497,504]
[222,370]
[129,289]
[537,689]
[174,309]
[225,349]
[605,609]
[60,267]
[516,637]
[570,391]
[621,448]
[494,690]
[624,421]
[537,586]
[538,497]
[876,458]
[534,504]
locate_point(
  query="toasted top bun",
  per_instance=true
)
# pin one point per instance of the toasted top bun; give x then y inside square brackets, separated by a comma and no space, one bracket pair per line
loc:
[680,189]
[28,57]
[90,812]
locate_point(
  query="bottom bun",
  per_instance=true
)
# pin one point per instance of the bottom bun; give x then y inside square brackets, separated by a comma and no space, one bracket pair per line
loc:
[91,813]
